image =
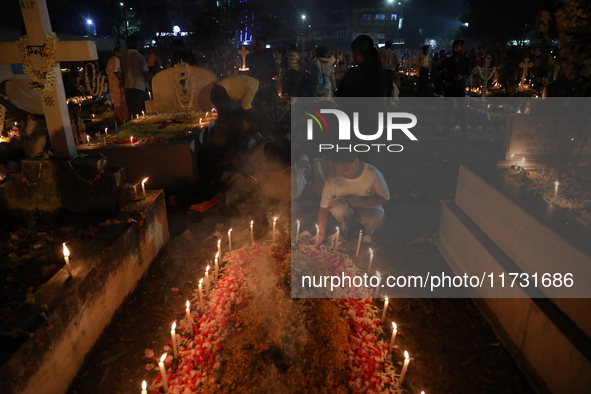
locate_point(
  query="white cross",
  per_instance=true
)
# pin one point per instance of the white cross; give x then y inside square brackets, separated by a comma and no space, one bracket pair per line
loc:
[55,108]
[243,52]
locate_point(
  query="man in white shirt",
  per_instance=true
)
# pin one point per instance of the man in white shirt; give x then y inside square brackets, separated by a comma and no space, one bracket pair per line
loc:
[136,77]
[423,64]
[353,194]
[390,65]
[231,91]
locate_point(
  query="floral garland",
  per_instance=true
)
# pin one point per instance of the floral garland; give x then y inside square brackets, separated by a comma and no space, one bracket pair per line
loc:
[2,114]
[183,86]
[494,70]
[48,67]
[98,84]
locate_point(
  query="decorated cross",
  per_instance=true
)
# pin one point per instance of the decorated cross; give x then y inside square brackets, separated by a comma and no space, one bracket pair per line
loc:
[243,52]
[40,53]
[525,65]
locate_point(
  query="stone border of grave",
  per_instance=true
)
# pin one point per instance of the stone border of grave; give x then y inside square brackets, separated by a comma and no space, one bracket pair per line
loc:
[494,226]
[104,273]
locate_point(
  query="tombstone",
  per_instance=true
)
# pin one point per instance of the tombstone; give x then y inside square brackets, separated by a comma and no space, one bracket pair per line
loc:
[485,73]
[40,45]
[542,141]
[181,89]
[243,53]
[526,64]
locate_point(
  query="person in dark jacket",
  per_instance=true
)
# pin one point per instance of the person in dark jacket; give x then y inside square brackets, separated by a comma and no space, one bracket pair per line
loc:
[367,79]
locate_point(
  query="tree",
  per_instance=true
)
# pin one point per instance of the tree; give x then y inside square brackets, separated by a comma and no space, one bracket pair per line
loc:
[502,20]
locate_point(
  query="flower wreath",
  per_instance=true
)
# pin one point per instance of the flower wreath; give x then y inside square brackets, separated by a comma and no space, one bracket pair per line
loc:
[493,71]
[98,84]
[183,86]
[48,67]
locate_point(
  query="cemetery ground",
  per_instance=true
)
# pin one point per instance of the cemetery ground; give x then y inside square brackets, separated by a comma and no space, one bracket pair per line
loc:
[454,350]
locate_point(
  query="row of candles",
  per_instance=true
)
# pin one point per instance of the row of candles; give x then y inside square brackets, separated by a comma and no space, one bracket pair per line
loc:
[207,281]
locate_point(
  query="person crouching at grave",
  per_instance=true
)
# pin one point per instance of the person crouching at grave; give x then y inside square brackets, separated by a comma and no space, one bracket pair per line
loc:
[353,195]
[231,92]
[136,77]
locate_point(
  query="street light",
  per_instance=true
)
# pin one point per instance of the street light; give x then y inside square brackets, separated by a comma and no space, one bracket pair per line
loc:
[304,17]
[125,19]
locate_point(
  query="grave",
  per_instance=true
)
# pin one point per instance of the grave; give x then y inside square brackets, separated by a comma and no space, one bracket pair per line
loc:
[169,165]
[493,225]
[64,184]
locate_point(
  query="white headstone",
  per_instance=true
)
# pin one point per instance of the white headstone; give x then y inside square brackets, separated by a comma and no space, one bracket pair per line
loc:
[55,108]
[181,89]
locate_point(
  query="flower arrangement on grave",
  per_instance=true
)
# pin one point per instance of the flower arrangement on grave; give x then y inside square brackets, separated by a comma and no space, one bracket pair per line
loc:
[184,86]
[250,332]
[156,129]
[42,79]
[95,83]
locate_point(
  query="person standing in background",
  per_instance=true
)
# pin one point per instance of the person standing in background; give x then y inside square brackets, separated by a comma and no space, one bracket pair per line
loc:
[116,89]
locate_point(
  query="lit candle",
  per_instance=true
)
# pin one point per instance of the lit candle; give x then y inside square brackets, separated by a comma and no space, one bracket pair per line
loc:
[88,139]
[404,367]
[137,116]
[216,260]
[220,246]
[556,189]
[143,114]
[297,231]
[144,387]
[370,260]
[385,309]
[189,317]
[379,284]
[144,186]
[252,232]
[106,131]
[150,95]
[230,239]
[163,372]
[175,349]
[200,120]
[93,116]
[317,234]
[67,260]
[394,332]
[522,161]
[131,139]
[336,240]
[201,294]
[207,280]
[274,227]
[359,243]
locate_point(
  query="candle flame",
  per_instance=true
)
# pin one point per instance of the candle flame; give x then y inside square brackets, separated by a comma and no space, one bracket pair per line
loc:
[145,180]
[317,228]
[406,355]
[522,160]
[275,219]
[394,326]
[106,129]
[207,269]
[144,385]
[219,241]
[370,251]
[386,298]
[173,327]
[229,231]
[217,255]
[188,304]
[379,276]
[556,183]
[298,220]
[201,281]
[66,250]
[251,222]
[163,357]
